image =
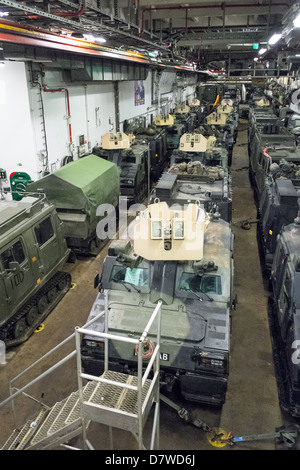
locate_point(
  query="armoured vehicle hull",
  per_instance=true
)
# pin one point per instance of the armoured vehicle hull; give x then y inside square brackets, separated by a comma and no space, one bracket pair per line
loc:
[278,207]
[197,148]
[157,139]
[208,94]
[212,188]
[225,119]
[174,134]
[132,159]
[224,138]
[276,163]
[284,317]
[32,252]
[257,123]
[197,299]
[262,142]
[77,190]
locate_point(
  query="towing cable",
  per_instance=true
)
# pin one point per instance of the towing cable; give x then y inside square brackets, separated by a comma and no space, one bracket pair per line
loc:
[219,438]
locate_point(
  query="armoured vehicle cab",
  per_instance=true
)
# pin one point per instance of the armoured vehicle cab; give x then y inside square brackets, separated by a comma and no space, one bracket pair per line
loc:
[196,147]
[284,316]
[278,206]
[271,138]
[185,260]
[32,252]
[131,159]
[278,162]
[156,138]
[77,191]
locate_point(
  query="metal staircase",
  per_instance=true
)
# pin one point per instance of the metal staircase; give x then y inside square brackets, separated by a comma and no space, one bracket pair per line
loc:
[114,399]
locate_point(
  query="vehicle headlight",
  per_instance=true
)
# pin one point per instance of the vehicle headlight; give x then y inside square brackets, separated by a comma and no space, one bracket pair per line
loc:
[212,362]
[91,344]
[204,360]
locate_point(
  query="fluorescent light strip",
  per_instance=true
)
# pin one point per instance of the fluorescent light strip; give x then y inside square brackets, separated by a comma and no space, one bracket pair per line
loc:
[275,38]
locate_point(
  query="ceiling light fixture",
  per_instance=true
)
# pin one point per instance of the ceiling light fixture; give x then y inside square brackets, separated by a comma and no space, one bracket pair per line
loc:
[296,21]
[262,51]
[4,13]
[275,38]
[91,38]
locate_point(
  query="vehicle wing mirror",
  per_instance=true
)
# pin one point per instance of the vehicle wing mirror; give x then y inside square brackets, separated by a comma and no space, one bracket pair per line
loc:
[98,282]
[14,266]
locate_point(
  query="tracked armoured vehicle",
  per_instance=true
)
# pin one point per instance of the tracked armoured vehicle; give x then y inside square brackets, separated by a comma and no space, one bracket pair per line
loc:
[174,130]
[278,206]
[184,259]
[133,161]
[77,191]
[284,316]
[198,173]
[225,118]
[156,138]
[276,163]
[268,140]
[184,115]
[33,250]
[224,138]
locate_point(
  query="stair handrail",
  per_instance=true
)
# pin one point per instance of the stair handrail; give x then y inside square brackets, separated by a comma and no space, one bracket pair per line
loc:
[13,395]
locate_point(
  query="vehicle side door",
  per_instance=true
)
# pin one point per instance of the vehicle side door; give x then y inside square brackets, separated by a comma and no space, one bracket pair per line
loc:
[47,245]
[16,274]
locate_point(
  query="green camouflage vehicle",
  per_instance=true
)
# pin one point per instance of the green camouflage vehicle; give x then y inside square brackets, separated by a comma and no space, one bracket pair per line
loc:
[183,258]
[77,191]
[32,252]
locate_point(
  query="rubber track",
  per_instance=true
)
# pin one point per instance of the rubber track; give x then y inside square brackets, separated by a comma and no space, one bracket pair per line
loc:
[6,330]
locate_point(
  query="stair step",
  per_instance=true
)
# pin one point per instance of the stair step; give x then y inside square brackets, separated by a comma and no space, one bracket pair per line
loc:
[87,393]
[20,438]
[43,430]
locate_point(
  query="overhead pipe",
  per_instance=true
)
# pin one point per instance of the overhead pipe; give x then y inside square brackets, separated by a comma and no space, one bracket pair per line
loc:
[62,15]
[55,90]
[223,6]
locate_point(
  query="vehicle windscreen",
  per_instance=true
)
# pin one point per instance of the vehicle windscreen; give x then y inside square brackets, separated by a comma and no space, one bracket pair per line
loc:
[206,283]
[135,276]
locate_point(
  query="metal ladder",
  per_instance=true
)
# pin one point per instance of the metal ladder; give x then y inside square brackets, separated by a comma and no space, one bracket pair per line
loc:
[115,399]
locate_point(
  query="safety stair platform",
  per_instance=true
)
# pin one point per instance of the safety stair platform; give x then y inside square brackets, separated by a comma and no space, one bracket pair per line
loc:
[102,402]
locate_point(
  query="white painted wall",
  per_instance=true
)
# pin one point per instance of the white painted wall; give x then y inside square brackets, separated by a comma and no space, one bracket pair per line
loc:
[16,134]
[92,109]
